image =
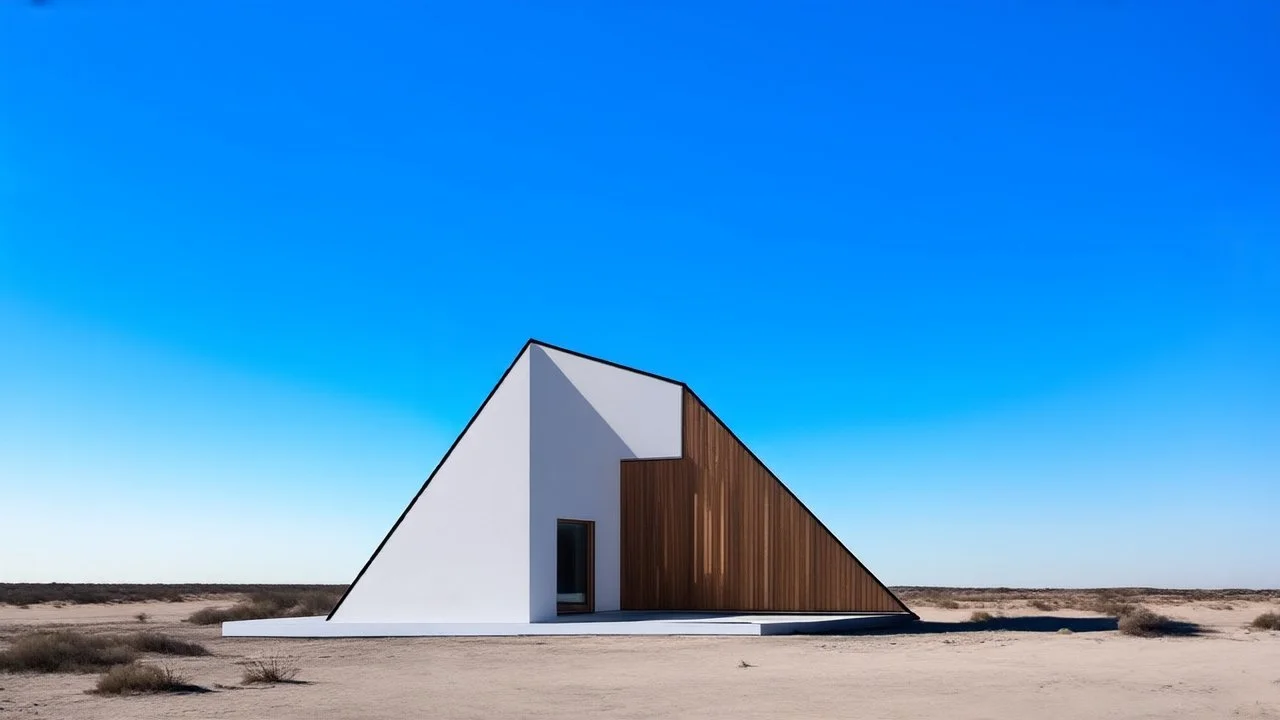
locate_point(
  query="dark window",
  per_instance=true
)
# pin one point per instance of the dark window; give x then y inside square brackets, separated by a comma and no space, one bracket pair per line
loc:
[575,557]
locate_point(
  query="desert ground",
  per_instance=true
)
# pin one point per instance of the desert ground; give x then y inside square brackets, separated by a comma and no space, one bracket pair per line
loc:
[1058,662]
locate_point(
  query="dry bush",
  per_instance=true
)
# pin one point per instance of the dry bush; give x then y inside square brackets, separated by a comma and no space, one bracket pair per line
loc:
[64,651]
[1142,622]
[216,615]
[70,651]
[83,593]
[154,642]
[134,678]
[142,617]
[1042,605]
[1267,621]
[981,616]
[269,670]
[935,601]
[271,604]
[1112,607]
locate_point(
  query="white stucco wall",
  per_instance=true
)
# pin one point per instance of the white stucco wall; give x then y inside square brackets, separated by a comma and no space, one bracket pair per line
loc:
[585,416]
[462,552]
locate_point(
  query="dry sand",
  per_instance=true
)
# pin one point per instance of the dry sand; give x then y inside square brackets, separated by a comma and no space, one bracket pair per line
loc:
[941,669]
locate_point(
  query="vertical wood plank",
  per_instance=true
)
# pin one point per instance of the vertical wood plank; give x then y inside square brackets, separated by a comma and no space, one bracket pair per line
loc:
[715,530]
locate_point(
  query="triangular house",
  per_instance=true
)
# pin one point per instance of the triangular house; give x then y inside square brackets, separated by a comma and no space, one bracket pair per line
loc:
[581,485]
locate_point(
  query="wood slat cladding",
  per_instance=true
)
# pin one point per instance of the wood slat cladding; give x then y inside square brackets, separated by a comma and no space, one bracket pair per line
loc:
[715,530]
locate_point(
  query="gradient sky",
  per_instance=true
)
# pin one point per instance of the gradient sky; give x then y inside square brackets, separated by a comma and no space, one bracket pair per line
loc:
[993,286]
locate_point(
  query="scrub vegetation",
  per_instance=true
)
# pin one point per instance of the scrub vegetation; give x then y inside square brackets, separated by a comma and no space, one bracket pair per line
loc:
[90,593]
[68,651]
[269,670]
[271,604]
[137,678]
[1267,621]
[1143,622]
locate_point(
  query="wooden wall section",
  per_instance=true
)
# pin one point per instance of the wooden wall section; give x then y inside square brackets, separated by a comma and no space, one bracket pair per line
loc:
[715,530]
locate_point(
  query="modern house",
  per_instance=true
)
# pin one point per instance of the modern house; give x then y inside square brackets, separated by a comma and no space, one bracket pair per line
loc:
[588,497]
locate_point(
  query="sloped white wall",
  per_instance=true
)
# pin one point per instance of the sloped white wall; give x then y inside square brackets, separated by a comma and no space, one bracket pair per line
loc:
[585,416]
[462,552]
[645,412]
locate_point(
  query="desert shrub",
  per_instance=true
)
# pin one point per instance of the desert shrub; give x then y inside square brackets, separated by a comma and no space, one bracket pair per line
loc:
[1042,605]
[64,651]
[947,604]
[135,678]
[269,604]
[154,642]
[269,670]
[70,651]
[981,616]
[1142,622]
[1112,607]
[142,617]
[1267,621]
[81,593]
[212,616]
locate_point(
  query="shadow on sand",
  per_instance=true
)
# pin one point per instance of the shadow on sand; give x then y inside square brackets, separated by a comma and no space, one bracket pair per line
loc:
[1030,623]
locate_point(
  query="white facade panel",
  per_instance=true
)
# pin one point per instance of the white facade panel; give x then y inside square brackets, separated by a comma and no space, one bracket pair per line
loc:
[461,554]
[585,417]
[638,407]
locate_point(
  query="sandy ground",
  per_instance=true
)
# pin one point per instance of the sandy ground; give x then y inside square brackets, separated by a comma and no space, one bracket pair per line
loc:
[942,668]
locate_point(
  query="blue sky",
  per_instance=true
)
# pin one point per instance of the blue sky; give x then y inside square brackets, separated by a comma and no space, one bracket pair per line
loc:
[993,286]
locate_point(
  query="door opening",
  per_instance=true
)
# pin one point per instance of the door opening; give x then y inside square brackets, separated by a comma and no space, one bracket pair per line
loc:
[575,566]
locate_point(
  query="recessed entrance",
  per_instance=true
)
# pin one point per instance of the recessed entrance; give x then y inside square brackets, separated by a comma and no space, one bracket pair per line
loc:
[575,566]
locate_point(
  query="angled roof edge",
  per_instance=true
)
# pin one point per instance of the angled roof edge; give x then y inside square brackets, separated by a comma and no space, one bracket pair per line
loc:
[800,502]
[602,361]
[492,391]
[445,458]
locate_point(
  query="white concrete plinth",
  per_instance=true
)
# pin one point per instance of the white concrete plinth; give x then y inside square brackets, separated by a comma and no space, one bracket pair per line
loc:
[608,623]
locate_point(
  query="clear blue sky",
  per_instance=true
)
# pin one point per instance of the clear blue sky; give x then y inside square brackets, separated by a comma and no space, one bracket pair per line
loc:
[994,286]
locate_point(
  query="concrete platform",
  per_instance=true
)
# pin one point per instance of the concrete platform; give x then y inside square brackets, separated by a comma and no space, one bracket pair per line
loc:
[605,623]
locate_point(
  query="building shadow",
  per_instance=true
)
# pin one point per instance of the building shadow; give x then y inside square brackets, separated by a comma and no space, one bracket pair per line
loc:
[1029,623]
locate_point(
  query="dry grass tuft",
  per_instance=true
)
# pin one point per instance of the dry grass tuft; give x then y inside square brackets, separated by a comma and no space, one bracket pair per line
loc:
[1114,608]
[64,651]
[1142,622]
[134,679]
[154,642]
[1267,621]
[142,617]
[981,616]
[1042,605]
[269,670]
[270,604]
[85,593]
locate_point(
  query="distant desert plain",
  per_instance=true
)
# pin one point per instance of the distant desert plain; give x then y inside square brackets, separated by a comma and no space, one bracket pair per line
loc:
[81,651]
